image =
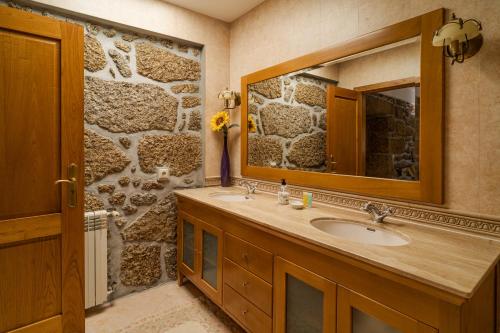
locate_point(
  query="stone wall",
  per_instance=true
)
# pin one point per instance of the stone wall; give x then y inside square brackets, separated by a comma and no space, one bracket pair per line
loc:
[290,113]
[143,109]
[392,144]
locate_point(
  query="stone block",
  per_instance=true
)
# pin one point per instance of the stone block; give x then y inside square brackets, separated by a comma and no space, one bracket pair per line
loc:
[143,199]
[117,199]
[185,88]
[285,120]
[270,88]
[128,107]
[190,101]
[106,188]
[102,157]
[164,66]
[92,202]
[180,152]
[124,46]
[311,95]
[120,62]
[170,258]
[124,181]
[152,185]
[126,142]
[140,265]
[158,224]
[195,121]
[264,151]
[309,151]
[94,57]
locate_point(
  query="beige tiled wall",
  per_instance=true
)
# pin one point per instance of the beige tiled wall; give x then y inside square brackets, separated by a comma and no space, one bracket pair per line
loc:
[279,30]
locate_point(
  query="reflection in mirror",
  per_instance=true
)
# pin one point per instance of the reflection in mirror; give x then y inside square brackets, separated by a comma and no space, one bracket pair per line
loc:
[357,115]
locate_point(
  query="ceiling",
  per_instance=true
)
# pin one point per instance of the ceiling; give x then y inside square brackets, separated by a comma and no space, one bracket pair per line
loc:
[225,10]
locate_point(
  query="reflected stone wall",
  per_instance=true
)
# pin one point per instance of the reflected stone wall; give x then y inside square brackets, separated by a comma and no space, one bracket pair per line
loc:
[392,144]
[290,113]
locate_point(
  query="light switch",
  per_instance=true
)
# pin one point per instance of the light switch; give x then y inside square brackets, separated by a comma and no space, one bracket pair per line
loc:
[163,173]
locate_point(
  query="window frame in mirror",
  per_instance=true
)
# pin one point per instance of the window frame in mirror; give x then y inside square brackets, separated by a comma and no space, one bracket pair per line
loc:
[429,187]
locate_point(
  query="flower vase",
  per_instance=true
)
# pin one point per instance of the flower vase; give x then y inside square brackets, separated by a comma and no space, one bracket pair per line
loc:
[225,178]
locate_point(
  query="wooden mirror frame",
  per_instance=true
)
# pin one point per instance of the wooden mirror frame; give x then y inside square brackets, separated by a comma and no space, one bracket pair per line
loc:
[429,187]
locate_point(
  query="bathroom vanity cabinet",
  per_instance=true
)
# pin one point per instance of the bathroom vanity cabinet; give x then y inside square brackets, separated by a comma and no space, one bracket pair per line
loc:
[271,281]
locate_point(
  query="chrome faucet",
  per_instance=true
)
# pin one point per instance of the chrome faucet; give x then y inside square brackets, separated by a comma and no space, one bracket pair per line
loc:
[377,214]
[250,187]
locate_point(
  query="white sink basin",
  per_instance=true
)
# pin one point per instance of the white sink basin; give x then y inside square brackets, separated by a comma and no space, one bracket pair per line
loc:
[359,232]
[230,197]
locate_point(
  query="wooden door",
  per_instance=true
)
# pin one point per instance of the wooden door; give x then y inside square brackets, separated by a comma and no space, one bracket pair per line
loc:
[41,135]
[359,314]
[344,131]
[303,300]
[210,255]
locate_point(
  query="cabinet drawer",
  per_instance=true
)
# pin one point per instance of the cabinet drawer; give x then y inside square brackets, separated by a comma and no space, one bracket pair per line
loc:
[250,257]
[251,317]
[253,288]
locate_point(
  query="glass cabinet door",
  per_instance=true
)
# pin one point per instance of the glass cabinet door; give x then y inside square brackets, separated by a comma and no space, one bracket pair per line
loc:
[209,258]
[188,253]
[305,301]
[211,261]
[359,314]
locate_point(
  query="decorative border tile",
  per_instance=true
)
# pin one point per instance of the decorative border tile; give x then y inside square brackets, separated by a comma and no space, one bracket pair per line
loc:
[485,225]
[212,181]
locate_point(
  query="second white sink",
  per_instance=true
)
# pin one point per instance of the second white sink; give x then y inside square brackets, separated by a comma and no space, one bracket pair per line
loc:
[358,232]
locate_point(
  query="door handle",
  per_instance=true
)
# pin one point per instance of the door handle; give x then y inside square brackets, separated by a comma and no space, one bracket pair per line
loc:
[71,181]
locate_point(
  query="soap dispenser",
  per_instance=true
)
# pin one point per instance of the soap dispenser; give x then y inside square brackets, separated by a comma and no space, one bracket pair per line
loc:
[283,195]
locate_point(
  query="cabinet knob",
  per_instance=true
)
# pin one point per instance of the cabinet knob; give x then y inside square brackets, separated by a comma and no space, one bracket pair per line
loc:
[245,283]
[244,256]
[244,312]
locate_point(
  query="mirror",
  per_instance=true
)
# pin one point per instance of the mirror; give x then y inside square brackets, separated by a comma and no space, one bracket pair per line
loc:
[363,116]
[357,115]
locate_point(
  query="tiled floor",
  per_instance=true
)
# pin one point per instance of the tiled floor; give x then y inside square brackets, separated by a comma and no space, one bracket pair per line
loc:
[163,309]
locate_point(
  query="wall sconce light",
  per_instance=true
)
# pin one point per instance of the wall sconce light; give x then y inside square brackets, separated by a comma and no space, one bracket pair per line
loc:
[460,39]
[231,98]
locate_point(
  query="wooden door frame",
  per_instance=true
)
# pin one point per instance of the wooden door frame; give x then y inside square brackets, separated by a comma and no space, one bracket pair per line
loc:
[283,267]
[70,226]
[429,188]
[347,299]
[371,88]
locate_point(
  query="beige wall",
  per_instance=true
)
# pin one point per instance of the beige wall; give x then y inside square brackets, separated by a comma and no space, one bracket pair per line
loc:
[279,30]
[393,64]
[161,17]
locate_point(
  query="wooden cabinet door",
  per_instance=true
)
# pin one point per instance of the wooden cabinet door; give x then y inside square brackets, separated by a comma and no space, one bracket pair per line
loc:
[41,136]
[210,240]
[303,300]
[199,255]
[186,247]
[359,314]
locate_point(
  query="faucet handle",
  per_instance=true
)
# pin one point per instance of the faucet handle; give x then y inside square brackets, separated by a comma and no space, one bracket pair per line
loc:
[253,186]
[366,206]
[387,210]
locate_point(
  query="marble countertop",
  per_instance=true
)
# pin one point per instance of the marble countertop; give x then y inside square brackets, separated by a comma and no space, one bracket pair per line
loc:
[451,261]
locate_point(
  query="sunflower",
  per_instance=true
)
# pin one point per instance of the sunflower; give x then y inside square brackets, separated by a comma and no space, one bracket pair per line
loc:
[219,120]
[252,127]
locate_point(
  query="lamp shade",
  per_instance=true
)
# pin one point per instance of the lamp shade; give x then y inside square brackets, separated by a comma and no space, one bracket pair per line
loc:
[456,30]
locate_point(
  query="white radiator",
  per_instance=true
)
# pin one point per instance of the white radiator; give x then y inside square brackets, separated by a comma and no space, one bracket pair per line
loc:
[96,257]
